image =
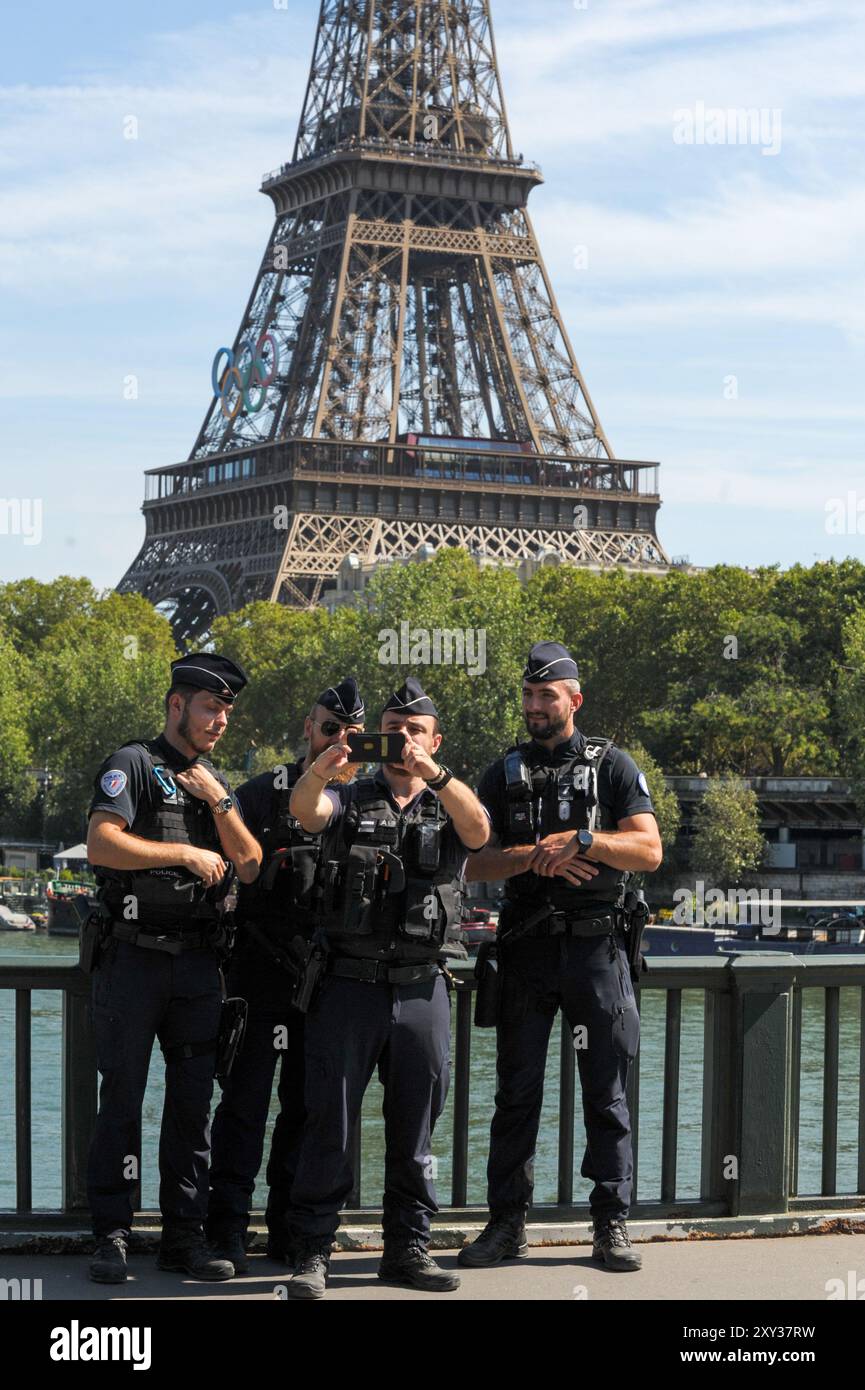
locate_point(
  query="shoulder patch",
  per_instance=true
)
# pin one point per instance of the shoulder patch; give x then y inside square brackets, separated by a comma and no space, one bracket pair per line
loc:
[644,786]
[113,782]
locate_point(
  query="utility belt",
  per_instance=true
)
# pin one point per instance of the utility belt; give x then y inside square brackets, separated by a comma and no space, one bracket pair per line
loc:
[378,972]
[544,922]
[563,924]
[152,939]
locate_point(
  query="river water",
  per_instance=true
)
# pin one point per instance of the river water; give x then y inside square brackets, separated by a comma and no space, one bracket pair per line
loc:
[46,1058]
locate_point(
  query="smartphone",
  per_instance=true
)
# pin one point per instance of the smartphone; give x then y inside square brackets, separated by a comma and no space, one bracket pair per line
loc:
[376,748]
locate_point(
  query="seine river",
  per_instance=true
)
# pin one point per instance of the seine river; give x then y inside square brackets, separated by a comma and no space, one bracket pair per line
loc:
[46,1054]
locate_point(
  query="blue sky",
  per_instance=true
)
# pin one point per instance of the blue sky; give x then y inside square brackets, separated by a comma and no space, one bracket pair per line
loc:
[705,262]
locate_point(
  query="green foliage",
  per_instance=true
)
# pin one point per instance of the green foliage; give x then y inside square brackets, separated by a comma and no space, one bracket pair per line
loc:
[851,701]
[725,672]
[667,810]
[16,788]
[102,676]
[727,843]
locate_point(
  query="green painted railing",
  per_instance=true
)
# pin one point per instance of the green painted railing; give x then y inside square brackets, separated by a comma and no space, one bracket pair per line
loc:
[750,1087]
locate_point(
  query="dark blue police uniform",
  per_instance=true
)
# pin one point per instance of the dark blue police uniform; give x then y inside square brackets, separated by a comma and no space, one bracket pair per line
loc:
[572,959]
[160,981]
[385,1005]
[274,1031]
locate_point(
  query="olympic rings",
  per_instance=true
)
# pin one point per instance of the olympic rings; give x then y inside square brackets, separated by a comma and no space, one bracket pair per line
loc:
[236,380]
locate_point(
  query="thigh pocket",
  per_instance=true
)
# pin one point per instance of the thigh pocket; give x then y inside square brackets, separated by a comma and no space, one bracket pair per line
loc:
[108,1032]
[626,1028]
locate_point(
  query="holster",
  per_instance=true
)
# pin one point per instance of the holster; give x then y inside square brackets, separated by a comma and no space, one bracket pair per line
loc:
[488,995]
[312,956]
[93,931]
[232,1028]
[635,914]
[490,963]
[222,939]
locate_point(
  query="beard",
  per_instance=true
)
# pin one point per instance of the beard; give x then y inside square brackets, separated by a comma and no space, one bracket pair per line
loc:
[545,726]
[185,732]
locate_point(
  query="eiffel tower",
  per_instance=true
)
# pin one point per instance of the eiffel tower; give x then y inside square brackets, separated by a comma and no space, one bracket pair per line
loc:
[402,377]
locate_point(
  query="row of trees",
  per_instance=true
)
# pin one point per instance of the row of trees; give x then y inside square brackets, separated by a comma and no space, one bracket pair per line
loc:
[726,672]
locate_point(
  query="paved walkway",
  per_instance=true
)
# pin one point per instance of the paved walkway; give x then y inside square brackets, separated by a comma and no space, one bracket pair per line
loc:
[790,1267]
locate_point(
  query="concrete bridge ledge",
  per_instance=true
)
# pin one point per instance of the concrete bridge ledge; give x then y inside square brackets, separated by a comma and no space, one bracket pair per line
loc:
[450,1234]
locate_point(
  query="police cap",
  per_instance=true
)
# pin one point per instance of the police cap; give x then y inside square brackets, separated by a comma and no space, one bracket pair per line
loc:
[550,661]
[411,698]
[344,701]
[205,671]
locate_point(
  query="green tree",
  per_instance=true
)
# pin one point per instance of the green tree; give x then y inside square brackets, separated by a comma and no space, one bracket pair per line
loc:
[290,655]
[851,702]
[667,810]
[727,844]
[17,790]
[102,678]
[481,713]
[30,610]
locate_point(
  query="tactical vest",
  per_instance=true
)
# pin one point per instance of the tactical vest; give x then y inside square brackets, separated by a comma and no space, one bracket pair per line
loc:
[281,902]
[170,896]
[386,891]
[542,800]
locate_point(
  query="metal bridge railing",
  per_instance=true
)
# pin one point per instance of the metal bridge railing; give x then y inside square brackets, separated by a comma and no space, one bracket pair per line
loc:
[750,1100]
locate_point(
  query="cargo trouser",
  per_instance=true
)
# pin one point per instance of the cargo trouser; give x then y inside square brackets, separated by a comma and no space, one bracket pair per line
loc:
[589,979]
[274,1034]
[138,995]
[354,1027]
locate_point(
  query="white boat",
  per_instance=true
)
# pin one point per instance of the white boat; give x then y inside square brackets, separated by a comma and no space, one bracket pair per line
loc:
[15,921]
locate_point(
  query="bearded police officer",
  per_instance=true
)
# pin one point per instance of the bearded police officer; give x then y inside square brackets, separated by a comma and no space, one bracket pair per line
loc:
[570,815]
[394,850]
[163,834]
[272,914]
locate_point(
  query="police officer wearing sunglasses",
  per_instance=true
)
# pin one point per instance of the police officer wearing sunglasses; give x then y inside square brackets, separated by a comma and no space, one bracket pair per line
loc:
[275,915]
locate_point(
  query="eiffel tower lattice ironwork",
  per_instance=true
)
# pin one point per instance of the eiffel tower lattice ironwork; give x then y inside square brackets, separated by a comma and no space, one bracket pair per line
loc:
[402,376]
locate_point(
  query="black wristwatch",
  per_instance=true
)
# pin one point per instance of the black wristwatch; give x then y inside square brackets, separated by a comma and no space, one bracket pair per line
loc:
[225,804]
[439,783]
[585,839]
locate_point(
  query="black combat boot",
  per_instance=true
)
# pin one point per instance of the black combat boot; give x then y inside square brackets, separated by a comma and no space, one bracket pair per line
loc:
[312,1262]
[230,1246]
[185,1251]
[108,1265]
[413,1267]
[503,1238]
[612,1244]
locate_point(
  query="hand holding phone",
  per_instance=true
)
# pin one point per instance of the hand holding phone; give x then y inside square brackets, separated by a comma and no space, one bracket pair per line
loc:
[376,748]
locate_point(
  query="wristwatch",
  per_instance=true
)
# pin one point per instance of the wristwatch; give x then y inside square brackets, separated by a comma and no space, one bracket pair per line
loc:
[225,804]
[585,839]
[439,783]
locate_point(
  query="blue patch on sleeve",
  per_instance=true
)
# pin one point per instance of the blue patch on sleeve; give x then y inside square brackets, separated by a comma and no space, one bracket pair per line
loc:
[113,782]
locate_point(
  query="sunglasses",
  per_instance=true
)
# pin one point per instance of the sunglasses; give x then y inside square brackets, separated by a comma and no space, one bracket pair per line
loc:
[329,727]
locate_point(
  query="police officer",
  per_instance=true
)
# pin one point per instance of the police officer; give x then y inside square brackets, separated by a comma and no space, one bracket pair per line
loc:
[391,868]
[271,914]
[163,833]
[570,816]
